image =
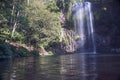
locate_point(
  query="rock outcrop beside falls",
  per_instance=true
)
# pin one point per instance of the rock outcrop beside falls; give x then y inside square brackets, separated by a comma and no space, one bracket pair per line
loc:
[69,40]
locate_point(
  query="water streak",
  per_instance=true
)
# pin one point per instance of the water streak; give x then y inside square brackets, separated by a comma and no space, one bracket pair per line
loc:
[83,23]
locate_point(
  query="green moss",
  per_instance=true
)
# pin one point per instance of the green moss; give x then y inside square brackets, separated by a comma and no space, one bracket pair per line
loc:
[65,40]
[4,34]
[77,37]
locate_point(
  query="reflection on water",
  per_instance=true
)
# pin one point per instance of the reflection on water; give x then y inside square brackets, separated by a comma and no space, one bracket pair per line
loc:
[76,67]
[65,67]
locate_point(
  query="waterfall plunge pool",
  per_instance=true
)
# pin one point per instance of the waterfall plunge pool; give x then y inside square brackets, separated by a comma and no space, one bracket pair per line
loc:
[64,67]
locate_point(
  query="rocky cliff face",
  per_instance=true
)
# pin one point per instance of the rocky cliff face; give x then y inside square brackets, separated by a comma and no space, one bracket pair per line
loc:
[68,40]
[106,25]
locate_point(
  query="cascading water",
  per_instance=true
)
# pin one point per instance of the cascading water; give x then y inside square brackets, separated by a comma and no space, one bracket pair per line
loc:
[83,24]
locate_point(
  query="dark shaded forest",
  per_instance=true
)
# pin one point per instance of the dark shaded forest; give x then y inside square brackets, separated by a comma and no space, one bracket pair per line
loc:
[33,27]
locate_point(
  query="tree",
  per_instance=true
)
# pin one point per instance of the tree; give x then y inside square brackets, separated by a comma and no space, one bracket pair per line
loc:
[44,23]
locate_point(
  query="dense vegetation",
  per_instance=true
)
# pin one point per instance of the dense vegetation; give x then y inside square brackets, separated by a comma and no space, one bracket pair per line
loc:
[31,24]
[30,27]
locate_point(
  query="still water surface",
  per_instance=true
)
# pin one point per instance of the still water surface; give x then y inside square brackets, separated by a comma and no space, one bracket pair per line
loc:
[64,67]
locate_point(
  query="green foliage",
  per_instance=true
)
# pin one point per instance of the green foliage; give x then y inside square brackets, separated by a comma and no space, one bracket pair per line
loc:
[5,12]
[52,6]
[5,50]
[18,37]
[35,24]
[22,52]
[34,53]
[45,25]
[4,34]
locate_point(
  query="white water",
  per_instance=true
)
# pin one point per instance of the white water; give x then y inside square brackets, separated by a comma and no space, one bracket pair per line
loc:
[83,23]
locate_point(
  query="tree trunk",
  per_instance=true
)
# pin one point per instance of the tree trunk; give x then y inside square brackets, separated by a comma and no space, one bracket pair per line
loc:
[15,24]
[28,2]
[12,13]
[14,28]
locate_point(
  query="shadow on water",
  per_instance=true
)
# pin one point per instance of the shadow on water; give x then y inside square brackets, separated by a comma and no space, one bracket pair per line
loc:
[64,67]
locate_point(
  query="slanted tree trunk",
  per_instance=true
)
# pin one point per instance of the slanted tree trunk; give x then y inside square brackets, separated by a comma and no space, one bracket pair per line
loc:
[15,24]
[14,28]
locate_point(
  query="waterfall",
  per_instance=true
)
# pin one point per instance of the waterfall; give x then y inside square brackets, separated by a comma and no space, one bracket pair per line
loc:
[83,26]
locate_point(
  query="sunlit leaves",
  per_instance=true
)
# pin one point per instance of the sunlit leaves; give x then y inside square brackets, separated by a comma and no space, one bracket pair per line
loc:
[44,23]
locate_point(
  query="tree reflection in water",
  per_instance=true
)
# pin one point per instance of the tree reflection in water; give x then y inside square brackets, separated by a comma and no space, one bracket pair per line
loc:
[64,67]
